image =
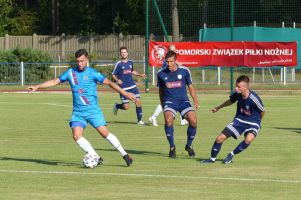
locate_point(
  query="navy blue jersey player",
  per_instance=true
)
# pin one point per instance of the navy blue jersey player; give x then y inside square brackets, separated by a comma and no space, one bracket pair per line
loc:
[172,83]
[247,121]
[122,74]
[83,82]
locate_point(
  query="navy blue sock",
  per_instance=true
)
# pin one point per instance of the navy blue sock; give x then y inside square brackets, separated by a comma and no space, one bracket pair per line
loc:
[119,106]
[215,149]
[191,131]
[242,146]
[139,113]
[169,134]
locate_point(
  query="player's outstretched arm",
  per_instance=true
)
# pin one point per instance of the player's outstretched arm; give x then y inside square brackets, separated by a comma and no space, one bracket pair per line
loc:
[194,96]
[46,84]
[115,87]
[226,103]
[137,74]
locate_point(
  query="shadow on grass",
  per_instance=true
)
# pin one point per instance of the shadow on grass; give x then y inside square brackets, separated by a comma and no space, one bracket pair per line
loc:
[123,122]
[138,152]
[38,161]
[296,130]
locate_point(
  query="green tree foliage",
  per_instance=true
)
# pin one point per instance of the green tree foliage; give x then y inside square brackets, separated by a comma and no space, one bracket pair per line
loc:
[15,19]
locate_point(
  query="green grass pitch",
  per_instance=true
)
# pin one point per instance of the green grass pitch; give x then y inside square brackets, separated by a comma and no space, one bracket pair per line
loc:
[40,160]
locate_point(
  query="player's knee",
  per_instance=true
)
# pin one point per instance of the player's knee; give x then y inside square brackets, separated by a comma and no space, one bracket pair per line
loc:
[220,139]
[193,123]
[76,137]
[126,106]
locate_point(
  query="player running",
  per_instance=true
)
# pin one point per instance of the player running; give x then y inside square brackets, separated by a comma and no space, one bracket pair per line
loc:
[122,74]
[247,120]
[83,82]
[172,83]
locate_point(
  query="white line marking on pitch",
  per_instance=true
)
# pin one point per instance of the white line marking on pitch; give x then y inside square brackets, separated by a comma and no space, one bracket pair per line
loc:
[151,176]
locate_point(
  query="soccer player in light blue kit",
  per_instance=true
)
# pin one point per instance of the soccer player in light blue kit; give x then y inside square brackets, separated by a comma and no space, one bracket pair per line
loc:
[247,121]
[172,83]
[122,74]
[83,82]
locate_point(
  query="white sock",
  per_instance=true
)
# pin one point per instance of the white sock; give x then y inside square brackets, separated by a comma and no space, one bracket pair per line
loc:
[157,111]
[115,143]
[86,146]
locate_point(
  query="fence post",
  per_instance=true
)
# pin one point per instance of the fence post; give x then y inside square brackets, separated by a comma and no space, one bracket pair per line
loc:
[284,75]
[203,75]
[22,72]
[6,42]
[219,75]
[253,74]
[91,44]
[120,40]
[34,41]
[63,46]
[263,75]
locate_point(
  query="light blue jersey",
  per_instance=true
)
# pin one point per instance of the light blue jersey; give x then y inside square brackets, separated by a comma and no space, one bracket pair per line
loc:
[84,88]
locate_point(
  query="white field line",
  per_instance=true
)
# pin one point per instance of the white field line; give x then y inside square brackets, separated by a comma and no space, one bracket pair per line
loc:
[152,176]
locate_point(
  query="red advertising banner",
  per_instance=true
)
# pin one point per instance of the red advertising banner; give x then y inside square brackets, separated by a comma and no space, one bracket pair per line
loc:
[234,54]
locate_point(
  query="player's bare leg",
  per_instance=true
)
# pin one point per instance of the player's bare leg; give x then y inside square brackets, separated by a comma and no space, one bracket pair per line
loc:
[113,140]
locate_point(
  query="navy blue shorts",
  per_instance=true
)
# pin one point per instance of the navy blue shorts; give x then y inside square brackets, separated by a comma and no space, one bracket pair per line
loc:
[134,90]
[183,108]
[239,127]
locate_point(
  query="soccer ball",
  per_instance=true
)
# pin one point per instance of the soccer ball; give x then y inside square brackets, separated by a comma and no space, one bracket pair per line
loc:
[90,160]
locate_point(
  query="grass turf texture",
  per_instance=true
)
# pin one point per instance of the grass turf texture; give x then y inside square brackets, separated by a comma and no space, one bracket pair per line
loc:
[40,160]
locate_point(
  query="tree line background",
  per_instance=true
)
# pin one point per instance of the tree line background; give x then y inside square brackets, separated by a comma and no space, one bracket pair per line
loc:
[81,17]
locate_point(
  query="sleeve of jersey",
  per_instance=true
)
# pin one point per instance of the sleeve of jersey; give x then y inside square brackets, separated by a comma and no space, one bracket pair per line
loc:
[116,69]
[99,77]
[64,76]
[258,103]
[233,97]
[188,77]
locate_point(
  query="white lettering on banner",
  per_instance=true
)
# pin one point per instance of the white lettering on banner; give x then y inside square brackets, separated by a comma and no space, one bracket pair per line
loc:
[254,52]
[192,52]
[228,52]
[278,52]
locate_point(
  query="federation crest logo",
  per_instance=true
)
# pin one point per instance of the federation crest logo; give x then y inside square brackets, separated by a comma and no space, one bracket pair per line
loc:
[180,76]
[86,78]
[158,54]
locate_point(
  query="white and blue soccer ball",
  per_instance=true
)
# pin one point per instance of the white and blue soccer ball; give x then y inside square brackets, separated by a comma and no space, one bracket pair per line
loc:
[90,160]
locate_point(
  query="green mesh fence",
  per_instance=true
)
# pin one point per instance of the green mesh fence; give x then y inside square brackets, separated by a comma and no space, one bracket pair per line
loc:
[193,14]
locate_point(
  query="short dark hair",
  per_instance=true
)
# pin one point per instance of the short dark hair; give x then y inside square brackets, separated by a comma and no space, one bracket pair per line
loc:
[81,52]
[123,47]
[170,54]
[243,78]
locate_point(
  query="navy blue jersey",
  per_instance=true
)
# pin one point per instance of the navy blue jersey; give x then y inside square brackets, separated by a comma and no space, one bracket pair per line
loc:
[249,109]
[123,70]
[173,84]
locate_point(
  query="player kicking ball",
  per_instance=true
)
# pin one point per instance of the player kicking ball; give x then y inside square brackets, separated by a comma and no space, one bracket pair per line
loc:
[83,82]
[247,120]
[172,83]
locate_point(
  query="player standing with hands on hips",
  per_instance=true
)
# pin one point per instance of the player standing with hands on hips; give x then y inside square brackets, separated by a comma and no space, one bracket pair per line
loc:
[122,74]
[247,120]
[172,83]
[83,82]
